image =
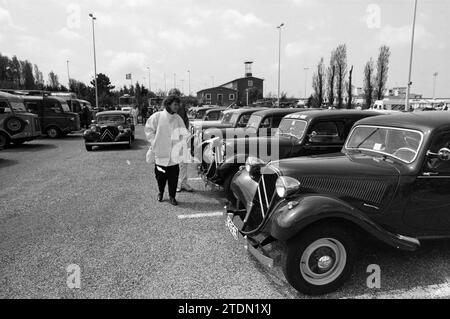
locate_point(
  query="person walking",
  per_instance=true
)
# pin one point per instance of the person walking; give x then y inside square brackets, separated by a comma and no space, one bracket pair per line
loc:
[167,135]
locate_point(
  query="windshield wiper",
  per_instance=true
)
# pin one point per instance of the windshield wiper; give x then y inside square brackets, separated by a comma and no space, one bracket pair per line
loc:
[367,138]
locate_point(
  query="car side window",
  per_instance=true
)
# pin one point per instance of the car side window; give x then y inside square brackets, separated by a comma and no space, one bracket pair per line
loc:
[244,120]
[32,107]
[266,123]
[276,122]
[436,165]
[5,106]
[327,132]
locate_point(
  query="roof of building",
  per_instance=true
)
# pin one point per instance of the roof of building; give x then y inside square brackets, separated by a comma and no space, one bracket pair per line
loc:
[217,87]
[423,121]
[243,78]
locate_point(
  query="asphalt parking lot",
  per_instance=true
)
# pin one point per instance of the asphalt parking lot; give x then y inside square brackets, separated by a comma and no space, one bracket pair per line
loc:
[60,205]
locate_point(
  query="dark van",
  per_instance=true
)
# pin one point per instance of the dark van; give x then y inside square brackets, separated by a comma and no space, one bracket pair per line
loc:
[54,113]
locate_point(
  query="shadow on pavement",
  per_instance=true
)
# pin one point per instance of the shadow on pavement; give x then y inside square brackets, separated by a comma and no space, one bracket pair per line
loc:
[6,163]
[29,147]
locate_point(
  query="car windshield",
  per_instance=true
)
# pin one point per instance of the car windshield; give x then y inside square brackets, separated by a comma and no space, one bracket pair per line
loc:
[65,107]
[106,119]
[200,114]
[18,106]
[402,144]
[254,121]
[292,127]
[228,118]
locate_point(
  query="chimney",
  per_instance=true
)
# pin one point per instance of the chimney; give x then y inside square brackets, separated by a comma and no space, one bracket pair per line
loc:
[248,69]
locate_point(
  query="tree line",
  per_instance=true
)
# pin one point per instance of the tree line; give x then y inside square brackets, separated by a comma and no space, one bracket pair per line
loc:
[16,74]
[332,82]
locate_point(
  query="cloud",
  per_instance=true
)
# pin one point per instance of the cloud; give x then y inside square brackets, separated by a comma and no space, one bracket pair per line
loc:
[126,62]
[67,34]
[181,40]
[5,18]
[235,22]
[402,35]
[298,48]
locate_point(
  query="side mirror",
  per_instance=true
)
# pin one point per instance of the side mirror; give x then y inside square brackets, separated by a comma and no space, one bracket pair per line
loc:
[443,154]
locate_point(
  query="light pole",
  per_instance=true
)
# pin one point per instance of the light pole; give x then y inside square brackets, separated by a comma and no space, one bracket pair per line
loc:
[149,80]
[68,75]
[279,63]
[189,75]
[95,58]
[306,82]
[435,75]
[408,91]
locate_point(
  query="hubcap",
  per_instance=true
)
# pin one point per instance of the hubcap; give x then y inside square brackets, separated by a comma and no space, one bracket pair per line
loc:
[52,133]
[323,261]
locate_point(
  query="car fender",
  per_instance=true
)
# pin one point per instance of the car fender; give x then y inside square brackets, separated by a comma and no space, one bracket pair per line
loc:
[288,223]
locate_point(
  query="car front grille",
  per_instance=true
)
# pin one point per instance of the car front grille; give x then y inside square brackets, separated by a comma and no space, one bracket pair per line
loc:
[108,134]
[264,199]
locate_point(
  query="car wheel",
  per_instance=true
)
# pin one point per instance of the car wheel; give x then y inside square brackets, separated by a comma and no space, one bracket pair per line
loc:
[88,148]
[53,132]
[319,260]
[4,141]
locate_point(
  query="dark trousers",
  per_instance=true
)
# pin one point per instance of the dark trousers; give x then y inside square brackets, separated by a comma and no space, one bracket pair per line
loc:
[169,177]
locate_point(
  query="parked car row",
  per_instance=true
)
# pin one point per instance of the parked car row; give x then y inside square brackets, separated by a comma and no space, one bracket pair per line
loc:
[335,178]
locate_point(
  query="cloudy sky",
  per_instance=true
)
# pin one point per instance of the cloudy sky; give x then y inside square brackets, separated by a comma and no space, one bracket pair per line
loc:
[213,38]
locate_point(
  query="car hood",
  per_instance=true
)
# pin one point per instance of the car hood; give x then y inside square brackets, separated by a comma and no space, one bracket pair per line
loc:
[339,164]
[358,179]
[210,125]
[254,145]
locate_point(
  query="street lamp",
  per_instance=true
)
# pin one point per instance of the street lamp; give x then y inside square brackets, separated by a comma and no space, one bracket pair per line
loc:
[189,74]
[149,80]
[68,75]
[435,75]
[95,58]
[306,82]
[279,63]
[408,91]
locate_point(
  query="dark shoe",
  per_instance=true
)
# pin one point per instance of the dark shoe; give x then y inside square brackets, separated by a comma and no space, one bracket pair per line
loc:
[173,202]
[160,198]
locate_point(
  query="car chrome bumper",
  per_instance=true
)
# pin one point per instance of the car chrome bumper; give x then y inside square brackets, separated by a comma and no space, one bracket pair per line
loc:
[106,144]
[237,222]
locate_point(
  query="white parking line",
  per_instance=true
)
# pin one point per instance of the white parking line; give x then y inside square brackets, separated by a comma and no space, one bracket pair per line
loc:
[203,215]
[425,292]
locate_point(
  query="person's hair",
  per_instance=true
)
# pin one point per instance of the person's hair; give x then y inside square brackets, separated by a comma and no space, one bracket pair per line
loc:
[171,99]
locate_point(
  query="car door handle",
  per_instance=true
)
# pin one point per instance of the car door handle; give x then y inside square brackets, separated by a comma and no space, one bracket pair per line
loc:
[430,174]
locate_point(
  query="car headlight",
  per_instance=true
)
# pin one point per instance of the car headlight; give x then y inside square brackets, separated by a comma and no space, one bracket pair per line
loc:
[94,128]
[72,119]
[253,162]
[120,128]
[287,186]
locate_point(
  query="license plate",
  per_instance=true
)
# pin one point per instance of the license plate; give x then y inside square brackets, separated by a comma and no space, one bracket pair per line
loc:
[233,229]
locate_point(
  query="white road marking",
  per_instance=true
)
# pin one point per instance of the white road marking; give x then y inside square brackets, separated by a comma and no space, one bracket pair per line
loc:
[424,292]
[129,163]
[203,215]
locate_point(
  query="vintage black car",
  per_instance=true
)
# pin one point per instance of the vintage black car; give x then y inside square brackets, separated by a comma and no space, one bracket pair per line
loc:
[391,182]
[110,128]
[233,118]
[303,133]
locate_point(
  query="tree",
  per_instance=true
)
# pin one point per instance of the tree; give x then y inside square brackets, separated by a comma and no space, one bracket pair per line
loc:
[331,76]
[341,72]
[27,75]
[53,81]
[368,82]
[103,84]
[382,72]
[38,78]
[350,89]
[319,83]
[254,94]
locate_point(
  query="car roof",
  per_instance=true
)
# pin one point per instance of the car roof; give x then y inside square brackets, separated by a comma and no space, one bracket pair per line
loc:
[331,114]
[216,109]
[278,111]
[40,98]
[246,110]
[423,121]
[113,113]
[10,97]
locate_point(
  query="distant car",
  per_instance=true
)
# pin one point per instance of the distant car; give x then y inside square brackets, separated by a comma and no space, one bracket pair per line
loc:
[126,109]
[110,128]
[391,182]
[198,113]
[17,126]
